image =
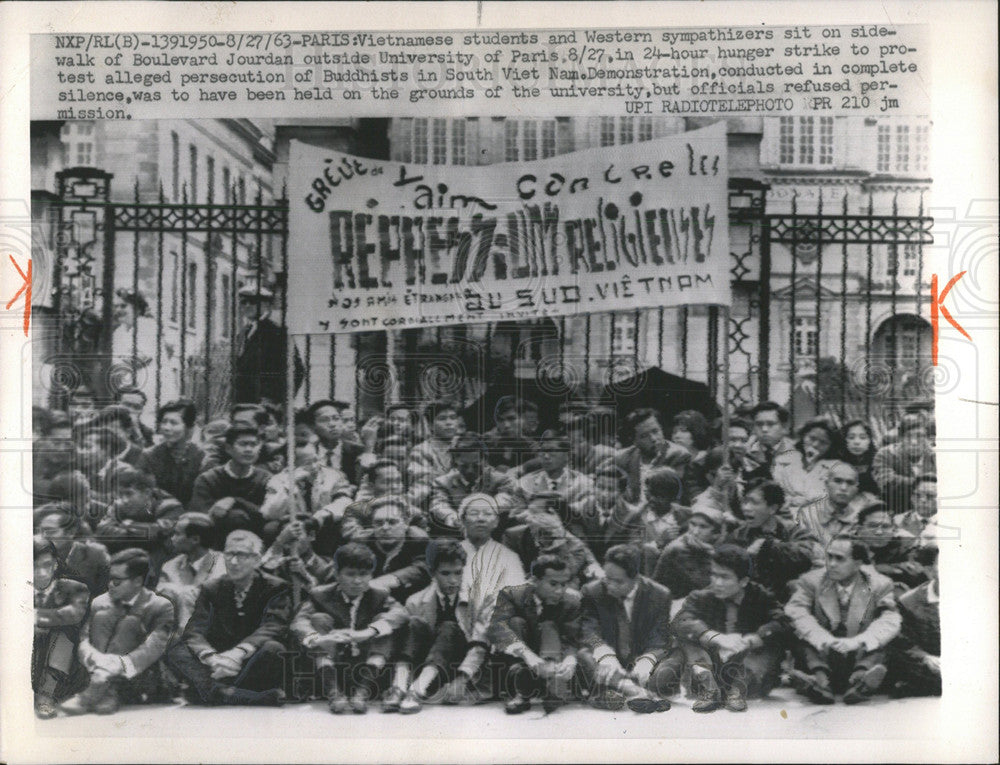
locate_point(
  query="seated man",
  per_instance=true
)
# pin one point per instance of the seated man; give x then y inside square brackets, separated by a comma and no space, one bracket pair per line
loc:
[536,628]
[836,512]
[352,521]
[649,449]
[141,516]
[508,446]
[431,458]
[897,467]
[78,555]
[182,576]
[60,608]
[684,565]
[733,634]
[607,519]
[544,534]
[892,549]
[123,640]
[348,627]
[844,615]
[555,476]
[293,558]
[923,506]
[231,649]
[232,493]
[781,550]
[471,474]
[662,517]
[314,487]
[626,637]
[400,551]
[176,461]
[435,641]
[915,657]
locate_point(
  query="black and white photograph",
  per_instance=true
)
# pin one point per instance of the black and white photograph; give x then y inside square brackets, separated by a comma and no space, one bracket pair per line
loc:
[429,420]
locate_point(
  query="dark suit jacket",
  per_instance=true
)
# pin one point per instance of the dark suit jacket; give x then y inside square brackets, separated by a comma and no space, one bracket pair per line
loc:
[409,565]
[260,368]
[87,562]
[216,625]
[785,554]
[377,609]
[576,554]
[174,474]
[759,612]
[682,567]
[629,461]
[65,605]
[519,602]
[650,624]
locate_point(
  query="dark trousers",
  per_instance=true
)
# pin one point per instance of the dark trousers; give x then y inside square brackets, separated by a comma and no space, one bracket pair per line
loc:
[55,670]
[664,680]
[909,676]
[754,673]
[837,667]
[443,647]
[263,671]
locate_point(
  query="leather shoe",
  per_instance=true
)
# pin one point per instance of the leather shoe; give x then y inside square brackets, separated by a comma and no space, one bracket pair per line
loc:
[517,704]
[810,687]
[359,704]
[106,706]
[393,700]
[865,685]
[736,700]
[45,707]
[648,704]
[337,704]
[708,701]
[411,703]
[608,700]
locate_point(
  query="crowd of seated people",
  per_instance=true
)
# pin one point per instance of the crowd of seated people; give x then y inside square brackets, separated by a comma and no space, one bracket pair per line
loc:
[407,560]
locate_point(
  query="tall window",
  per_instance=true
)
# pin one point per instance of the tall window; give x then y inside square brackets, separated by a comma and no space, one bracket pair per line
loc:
[921,147]
[458,154]
[226,180]
[883,162]
[439,141]
[420,141]
[193,172]
[902,146]
[175,165]
[805,141]
[225,326]
[645,128]
[241,189]
[607,131]
[527,140]
[626,130]
[911,259]
[806,336]
[175,291]
[623,339]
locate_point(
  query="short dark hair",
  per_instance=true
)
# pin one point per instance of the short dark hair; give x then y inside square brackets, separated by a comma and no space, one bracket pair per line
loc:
[544,563]
[40,546]
[771,406]
[553,441]
[664,483]
[398,503]
[912,422]
[68,486]
[109,440]
[234,432]
[136,562]
[315,406]
[610,470]
[442,551]
[926,555]
[130,478]
[773,493]
[69,518]
[182,406]
[506,404]
[131,391]
[739,422]
[694,422]
[626,557]
[714,459]
[636,418]
[435,409]
[833,436]
[354,555]
[735,558]
[859,550]
[198,525]
[378,465]
[874,507]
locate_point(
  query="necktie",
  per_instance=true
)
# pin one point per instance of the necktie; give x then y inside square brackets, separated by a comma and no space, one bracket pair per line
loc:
[624,633]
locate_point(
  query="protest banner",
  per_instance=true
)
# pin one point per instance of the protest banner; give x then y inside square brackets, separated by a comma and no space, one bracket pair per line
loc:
[382,245]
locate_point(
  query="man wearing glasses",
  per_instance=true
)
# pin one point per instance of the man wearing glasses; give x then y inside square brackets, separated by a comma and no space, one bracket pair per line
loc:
[231,651]
[844,615]
[893,550]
